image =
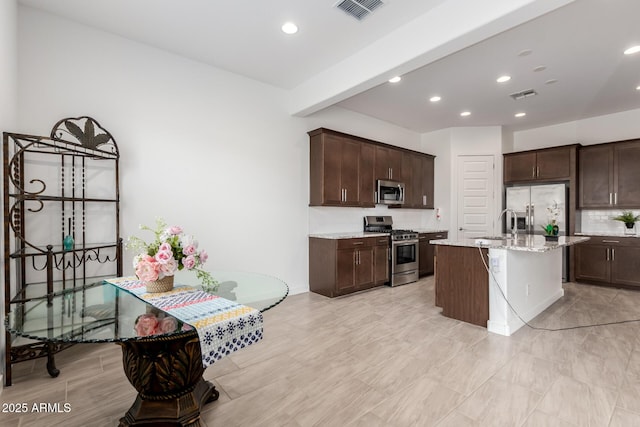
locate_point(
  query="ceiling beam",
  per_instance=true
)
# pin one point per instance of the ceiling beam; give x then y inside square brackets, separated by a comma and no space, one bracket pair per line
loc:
[449,27]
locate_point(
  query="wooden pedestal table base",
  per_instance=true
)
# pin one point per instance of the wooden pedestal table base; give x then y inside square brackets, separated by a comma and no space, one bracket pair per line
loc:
[167,373]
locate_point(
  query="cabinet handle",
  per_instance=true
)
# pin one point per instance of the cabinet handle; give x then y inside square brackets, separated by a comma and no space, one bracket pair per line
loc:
[439,236]
[537,171]
[345,194]
[613,254]
[615,198]
[424,199]
[533,171]
[358,243]
[608,257]
[382,241]
[610,198]
[610,241]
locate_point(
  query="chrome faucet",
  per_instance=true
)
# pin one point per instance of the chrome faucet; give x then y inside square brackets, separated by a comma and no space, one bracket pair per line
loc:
[514,226]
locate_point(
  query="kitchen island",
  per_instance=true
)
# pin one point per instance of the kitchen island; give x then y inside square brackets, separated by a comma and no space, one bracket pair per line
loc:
[474,276]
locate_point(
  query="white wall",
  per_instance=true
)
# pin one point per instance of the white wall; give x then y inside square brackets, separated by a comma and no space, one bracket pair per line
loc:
[212,151]
[9,68]
[8,98]
[611,127]
[449,145]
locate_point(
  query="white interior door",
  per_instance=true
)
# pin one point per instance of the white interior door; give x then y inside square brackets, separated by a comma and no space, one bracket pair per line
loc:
[476,196]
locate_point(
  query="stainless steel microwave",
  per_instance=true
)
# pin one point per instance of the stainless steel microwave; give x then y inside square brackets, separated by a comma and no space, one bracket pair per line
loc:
[390,192]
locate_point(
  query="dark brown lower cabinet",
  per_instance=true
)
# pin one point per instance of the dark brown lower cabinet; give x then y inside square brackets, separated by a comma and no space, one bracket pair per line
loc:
[426,252]
[609,260]
[342,266]
[462,284]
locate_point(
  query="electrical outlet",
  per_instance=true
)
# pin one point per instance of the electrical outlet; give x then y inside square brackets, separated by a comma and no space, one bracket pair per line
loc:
[495,264]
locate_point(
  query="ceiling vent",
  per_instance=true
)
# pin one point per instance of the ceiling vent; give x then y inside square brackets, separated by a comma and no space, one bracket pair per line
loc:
[523,94]
[358,9]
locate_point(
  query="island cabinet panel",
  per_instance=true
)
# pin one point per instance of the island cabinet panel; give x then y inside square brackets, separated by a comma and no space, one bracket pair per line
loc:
[426,252]
[462,284]
[341,171]
[548,164]
[609,175]
[609,261]
[342,266]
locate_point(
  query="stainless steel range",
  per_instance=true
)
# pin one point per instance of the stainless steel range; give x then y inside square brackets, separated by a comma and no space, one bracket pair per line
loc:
[404,249]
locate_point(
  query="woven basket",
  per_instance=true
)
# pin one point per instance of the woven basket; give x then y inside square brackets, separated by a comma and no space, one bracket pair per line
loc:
[161,285]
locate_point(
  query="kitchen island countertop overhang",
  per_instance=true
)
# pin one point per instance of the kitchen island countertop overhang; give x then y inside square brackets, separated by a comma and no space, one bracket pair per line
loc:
[526,271]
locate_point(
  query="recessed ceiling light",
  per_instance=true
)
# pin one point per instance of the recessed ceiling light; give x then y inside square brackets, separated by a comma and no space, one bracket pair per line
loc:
[540,68]
[289,28]
[395,79]
[465,113]
[435,98]
[503,79]
[637,87]
[520,114]
[525,52]
[632,50]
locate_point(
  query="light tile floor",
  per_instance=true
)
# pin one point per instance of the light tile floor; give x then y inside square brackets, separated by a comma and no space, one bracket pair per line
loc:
[386,357]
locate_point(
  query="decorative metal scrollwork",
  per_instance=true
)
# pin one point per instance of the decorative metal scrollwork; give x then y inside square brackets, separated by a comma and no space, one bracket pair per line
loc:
[83,130]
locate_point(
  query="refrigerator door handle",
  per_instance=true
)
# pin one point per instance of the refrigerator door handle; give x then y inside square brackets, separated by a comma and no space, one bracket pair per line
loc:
[532,219]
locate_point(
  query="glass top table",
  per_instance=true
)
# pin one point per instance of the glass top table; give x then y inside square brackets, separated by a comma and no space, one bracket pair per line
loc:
[102,312]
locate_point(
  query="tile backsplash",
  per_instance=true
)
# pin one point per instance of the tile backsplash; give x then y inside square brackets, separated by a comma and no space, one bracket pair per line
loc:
[599,221]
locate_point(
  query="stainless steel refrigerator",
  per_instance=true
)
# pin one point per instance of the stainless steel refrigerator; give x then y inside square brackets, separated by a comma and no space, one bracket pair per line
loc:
[535,205]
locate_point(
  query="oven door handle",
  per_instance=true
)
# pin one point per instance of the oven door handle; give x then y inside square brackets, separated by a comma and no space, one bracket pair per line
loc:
[405,242]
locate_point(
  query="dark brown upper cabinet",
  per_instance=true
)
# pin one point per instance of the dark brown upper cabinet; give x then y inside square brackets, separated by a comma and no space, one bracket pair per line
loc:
[341,171]
[548,164]
[344,170]
[417,175]
[610,176]
[388,163]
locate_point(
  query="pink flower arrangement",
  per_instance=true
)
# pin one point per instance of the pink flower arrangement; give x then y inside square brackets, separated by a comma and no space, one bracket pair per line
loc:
[172,250]
[158,323]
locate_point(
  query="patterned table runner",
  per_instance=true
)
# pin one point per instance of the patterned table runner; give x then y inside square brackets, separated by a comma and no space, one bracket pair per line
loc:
[223,326]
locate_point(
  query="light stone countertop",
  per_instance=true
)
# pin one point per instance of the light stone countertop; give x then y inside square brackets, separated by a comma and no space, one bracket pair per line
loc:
[606,234]
[362,234]
[523,242]
[347,235]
